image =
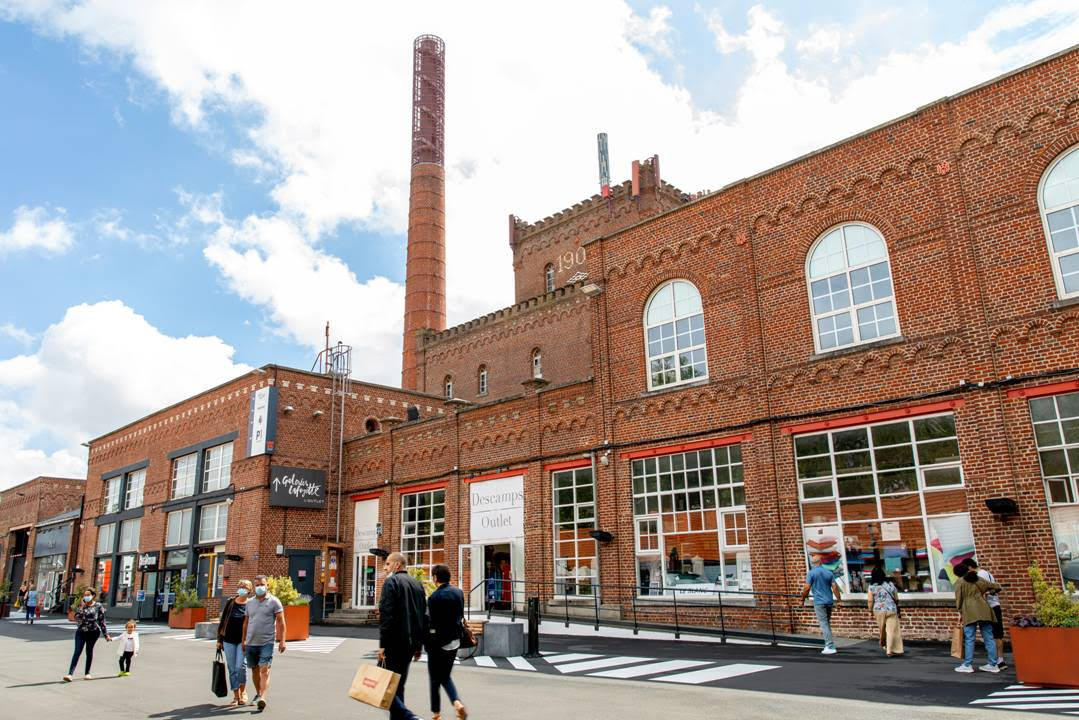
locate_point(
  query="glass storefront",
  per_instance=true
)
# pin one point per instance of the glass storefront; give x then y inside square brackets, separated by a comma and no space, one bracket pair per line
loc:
[1056,431]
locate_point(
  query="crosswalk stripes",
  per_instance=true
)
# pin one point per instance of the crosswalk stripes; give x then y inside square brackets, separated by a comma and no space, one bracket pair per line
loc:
[693,672]
[64,624]
[1032,698]
[315,644]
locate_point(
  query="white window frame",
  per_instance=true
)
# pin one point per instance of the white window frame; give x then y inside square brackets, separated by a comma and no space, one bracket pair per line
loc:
[921,491]
[548,277]
[853,307]
[217,467]
[183,531]
[110,531]
[562,581]
[447,387]
[1070,481]
[1054,257]
[113,486]
[410,527]
[128,540]
[537,363]
[185,471]
[677,351]
[482,380]
[220,528]
[134,489]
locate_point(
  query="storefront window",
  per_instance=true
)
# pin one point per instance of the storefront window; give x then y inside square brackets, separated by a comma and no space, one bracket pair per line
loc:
[213,522]
[218,464]
[112,494]
[691,526]
[177,558]
[129,535]
[423,527]
[178,531]
[888,494]
[125,580]
[1056,430]
[103,577]
[106,537]
[136,481]
[183,475]
[575,567]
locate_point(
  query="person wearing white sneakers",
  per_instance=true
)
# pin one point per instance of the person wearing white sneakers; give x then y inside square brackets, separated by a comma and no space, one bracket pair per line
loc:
[821,582]
[89,626]
[974,615]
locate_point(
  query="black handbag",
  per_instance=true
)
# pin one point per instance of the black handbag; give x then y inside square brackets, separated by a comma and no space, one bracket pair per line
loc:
[218,681]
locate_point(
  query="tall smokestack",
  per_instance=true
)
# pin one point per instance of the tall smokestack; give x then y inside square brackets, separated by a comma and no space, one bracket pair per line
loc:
[425,270]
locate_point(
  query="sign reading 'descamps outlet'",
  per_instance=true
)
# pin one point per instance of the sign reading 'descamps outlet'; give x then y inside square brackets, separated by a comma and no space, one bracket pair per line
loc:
[297,487]
[496,508]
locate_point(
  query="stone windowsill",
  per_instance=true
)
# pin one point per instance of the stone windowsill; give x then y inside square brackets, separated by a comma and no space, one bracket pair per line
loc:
[857,348]
[1064,303]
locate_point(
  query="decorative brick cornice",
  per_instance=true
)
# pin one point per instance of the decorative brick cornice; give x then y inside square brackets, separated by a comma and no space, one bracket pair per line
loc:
[677,401]
[1024,330]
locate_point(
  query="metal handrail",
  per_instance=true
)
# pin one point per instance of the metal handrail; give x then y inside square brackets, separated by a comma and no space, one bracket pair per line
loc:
[774,601]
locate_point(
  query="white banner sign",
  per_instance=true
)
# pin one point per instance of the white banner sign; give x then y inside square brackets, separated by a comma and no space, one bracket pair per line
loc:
[496,508]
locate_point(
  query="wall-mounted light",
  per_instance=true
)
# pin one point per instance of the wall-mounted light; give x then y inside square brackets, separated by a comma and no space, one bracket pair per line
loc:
[288,409]
[591,289]
[605,458]
[379,553]
[601,535]
[1002,506]
[317,413]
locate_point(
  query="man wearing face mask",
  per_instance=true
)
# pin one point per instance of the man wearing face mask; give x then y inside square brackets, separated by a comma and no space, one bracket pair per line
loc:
[264,621]
[89,626]
[230,638]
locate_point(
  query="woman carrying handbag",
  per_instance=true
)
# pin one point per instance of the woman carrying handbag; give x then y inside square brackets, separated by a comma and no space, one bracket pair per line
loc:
[446,608]
[884,604]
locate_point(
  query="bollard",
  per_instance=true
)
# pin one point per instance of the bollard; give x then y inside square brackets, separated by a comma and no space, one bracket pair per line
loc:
[532,643]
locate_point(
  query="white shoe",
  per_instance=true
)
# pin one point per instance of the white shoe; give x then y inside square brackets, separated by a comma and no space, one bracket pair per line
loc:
[67,678]
[828,651]
[87,676]
[989,668]
[964,669]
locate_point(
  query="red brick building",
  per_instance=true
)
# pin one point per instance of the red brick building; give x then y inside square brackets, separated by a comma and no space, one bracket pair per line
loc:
[39,527]
[844,356]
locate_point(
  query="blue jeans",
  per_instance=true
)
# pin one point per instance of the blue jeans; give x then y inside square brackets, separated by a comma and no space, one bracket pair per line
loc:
[987,638]
[85,640]
[234,658]
[824,617]
[30,612]
[259,655]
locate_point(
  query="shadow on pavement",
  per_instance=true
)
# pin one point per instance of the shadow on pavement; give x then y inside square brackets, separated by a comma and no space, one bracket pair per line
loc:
[194,711]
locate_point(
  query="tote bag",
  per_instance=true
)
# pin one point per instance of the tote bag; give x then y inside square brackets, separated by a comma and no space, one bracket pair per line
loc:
[217,679]
[374,685]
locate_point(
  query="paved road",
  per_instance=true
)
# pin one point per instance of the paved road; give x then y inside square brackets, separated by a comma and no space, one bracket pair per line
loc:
[578,677]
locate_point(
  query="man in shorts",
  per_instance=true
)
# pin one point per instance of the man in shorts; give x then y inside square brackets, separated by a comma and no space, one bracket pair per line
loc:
[263,624]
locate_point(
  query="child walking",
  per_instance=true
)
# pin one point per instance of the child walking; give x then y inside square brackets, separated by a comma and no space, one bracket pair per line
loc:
[128,648]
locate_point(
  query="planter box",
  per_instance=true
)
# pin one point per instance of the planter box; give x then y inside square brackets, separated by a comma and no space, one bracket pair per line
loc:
[1046,656]
[186,618]
[297,622]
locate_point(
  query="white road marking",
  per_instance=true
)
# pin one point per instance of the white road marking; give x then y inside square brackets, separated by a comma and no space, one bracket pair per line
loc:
[696,677]
[1031,693]
[601,663]
[651,668]
[485,661]
[568,657]
[1046,706]
[994,701]
[520,663]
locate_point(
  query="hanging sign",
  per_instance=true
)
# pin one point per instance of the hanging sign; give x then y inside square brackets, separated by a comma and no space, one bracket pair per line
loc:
[496,508]
[297,487]
[262,422]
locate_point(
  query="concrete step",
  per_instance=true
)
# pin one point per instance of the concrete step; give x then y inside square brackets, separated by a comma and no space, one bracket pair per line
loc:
[352,617]
[554,609]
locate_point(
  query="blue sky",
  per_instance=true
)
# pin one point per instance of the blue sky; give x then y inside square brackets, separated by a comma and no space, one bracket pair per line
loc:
[190,190]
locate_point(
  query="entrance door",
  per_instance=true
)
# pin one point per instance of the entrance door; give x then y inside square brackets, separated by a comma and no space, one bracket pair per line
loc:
[301,568]
[203,584]
[149,598]
[498,576]
[364,572]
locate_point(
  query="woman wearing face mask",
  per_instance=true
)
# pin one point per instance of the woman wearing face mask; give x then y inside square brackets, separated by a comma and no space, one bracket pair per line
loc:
[230,636]
[89,626]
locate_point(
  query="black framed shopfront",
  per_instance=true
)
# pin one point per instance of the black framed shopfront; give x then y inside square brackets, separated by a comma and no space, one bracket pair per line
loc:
[118,536]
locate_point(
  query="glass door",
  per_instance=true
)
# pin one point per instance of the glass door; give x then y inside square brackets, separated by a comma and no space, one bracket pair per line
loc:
[365,572]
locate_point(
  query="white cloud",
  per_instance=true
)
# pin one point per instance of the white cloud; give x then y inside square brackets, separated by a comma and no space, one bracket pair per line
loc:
[99,367]
[110,225]
[37,228]
[17,334]
[653,32]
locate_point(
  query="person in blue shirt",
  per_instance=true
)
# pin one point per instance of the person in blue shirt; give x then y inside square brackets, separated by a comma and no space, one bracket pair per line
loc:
[821,583]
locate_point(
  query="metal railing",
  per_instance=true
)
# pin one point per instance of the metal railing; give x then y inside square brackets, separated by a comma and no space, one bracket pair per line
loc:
[685,603]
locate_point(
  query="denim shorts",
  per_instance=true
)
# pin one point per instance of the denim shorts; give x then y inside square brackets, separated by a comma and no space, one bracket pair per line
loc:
[259,655]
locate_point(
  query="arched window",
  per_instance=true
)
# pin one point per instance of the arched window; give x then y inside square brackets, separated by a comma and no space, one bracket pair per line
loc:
[674,335]
[447,387]
[371,425]
[850,288]
[548,277]
[537,363]
[1058,197]
[481,381]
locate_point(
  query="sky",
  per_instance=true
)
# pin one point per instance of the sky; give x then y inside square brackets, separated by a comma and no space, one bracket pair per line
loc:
[189,190]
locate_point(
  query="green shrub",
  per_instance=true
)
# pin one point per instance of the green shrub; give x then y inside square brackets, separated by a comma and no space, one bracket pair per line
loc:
[1053,607]
[421,575]
[186,594]
[5,590]
[281,587]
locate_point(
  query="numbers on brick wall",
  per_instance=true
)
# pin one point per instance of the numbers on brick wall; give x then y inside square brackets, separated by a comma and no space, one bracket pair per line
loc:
[571,258]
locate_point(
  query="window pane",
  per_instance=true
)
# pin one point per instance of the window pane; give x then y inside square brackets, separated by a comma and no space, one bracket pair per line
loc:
[855,439]
[938,452]
[931,428]
[817,489]
[952,541]
[896,482]
[938,477]
[891,433]
[894,457]
[811,444]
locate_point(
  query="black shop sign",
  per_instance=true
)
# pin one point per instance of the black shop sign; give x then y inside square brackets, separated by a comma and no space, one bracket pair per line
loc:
[148,561]
[297,487]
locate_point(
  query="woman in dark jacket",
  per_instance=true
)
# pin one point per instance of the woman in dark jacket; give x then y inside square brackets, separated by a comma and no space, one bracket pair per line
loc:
[446,607]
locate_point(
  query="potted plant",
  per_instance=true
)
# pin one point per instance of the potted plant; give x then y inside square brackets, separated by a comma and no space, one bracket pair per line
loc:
[297,607]
[1045,645]
[187,609]
[5,596]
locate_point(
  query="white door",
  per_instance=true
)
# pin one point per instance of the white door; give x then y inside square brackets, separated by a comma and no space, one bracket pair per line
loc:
[470,575]
[364,564]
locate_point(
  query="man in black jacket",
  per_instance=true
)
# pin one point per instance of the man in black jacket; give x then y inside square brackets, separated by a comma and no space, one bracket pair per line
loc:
[402,626]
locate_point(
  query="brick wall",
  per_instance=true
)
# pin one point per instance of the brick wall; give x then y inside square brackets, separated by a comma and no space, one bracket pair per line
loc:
[28,504]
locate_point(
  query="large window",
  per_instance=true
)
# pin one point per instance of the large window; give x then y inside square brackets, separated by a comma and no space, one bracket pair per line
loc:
[850,288]
[1059,200]
[178,531]
[1056,430]
[689,511]
[218,464]
[136,482]
[674,335]
[213,522]
[112,494]
[125,580]
[888,494]
[106,538]
[423,527]
[183,475]
[129,535]
[575,567]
